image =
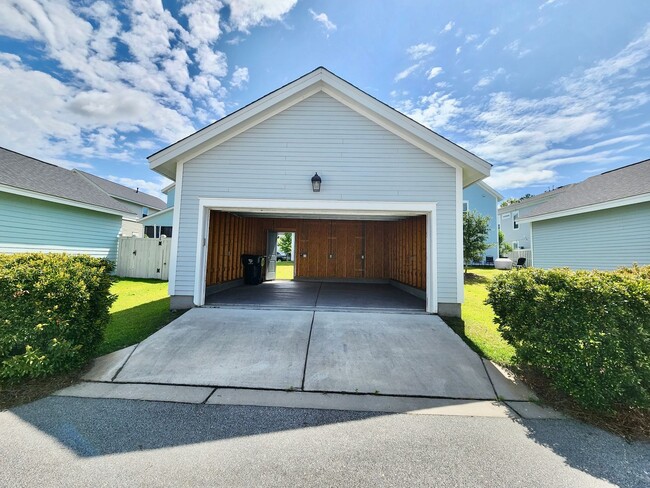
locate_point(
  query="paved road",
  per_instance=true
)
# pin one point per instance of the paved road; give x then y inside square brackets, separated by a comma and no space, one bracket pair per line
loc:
[61,441]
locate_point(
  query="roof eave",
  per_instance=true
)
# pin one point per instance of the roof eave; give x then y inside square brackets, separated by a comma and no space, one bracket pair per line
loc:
[164,161]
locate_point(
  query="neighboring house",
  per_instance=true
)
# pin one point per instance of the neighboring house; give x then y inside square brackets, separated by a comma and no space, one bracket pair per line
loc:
[46,208]
[600,223]
[389,206]
[161,223]
[516,232]
[482,198]
[139,204]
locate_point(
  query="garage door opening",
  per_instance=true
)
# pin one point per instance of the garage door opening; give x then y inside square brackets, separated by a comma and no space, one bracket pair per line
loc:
[335,262]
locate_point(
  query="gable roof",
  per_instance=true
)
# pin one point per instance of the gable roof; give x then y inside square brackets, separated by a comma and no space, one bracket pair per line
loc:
[28,176]
[490,190]
[534,200]
[320,80]
[124,192]
[627,185]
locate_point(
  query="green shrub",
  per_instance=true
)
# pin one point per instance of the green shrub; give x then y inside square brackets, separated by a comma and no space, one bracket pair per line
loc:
[587,331]
[53,311]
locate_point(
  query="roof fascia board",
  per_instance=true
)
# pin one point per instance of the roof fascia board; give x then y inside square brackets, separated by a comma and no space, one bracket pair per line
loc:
[168,187]
[490,190]
[63,201]
[255,113]
[157,214]
[621,202]
[402,125]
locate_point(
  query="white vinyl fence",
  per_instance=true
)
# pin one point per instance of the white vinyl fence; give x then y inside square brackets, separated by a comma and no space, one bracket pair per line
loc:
[140,257]
[522,253]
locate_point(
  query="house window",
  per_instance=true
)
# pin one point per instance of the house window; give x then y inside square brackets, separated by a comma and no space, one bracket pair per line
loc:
[145,211]
[515,244]
[505,216]
[150,231]
[166,230]
[465,206]
[515,218]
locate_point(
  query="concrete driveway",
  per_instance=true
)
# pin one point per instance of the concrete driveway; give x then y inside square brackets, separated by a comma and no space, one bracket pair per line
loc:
[398,354]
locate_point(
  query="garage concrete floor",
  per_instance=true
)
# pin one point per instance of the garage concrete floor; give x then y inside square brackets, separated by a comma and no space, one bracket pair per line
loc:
[313,295]
[392,354]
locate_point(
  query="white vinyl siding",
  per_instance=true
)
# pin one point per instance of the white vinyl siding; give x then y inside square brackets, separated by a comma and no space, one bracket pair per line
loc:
[356,158]
[606,239]
[31,225]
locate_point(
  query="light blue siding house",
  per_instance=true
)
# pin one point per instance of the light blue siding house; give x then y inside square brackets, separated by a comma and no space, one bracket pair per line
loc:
[600,223]
[161,223]
[46,208]
[481,198]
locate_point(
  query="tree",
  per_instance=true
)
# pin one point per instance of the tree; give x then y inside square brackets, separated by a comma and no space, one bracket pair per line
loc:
[509,201]
[284,243]
[475,235]
[504,247]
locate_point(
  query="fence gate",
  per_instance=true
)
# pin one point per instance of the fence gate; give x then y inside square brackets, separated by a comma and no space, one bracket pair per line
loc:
[140,257]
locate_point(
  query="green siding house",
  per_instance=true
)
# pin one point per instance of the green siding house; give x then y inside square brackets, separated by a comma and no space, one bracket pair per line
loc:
[601,223]
[46,208]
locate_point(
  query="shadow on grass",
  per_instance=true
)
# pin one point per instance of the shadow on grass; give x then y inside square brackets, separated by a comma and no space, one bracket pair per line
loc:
[458,326]
[133,325]
[474,279]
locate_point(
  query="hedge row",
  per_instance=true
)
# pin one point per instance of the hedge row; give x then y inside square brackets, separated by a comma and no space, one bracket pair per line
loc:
[587,331]
[53,312]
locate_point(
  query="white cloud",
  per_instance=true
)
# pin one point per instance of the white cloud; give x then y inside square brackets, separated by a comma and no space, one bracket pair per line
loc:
[548,3]
[528,139]
[239,77]
[203,20]
[470,38]
[488,79]
[449,26]
[433,72]
[323,20]
[458,50]
[245,14]
[515,47]
[435,111]
[419,51]
[407,72]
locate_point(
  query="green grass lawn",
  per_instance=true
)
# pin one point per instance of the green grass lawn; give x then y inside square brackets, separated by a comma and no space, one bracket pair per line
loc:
[284,271]
[141,308]
[477,326]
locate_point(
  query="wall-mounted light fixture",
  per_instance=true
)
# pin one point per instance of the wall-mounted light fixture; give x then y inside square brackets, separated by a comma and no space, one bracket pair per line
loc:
[315,182]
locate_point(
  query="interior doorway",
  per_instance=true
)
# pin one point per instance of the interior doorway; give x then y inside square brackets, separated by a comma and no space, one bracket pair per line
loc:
[285,266]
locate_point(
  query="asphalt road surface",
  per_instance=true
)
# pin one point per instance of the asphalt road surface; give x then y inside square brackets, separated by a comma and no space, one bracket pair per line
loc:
[62,441]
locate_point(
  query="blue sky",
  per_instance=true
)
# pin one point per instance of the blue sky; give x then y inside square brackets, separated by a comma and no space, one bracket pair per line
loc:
[550,92]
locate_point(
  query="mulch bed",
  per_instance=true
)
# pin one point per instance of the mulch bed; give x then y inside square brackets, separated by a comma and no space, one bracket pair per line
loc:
[13,395]
[632,424]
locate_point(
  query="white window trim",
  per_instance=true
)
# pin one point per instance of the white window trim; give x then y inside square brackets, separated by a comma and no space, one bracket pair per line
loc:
[515,245]
[465,202]
[505,215]
[314,207]
[515,220]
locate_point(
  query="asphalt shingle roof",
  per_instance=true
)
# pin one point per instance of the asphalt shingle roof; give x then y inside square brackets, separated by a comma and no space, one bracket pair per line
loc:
[24,172]
[124,192]
[624,182]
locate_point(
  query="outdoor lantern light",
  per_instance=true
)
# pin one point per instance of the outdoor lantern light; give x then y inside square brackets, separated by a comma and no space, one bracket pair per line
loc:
[315,182]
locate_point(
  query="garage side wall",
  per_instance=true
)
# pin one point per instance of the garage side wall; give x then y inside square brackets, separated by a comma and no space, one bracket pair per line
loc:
[356,158]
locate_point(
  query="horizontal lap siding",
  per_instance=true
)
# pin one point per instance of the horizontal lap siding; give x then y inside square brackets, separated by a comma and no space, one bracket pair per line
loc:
[606,239]
[357,159]
[31,225]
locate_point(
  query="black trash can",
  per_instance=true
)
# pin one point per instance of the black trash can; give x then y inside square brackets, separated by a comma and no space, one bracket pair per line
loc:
[253,268]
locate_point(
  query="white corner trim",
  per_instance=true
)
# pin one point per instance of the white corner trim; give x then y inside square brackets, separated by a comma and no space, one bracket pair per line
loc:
[60,200]
[306,207]
[460,279]
[621,202]
[171,285]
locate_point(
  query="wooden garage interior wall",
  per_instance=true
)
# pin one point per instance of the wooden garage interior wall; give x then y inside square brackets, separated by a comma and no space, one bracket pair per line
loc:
[345,249]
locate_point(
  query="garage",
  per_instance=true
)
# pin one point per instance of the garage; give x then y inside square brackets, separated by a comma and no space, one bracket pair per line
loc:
[387,210]
[341,261]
